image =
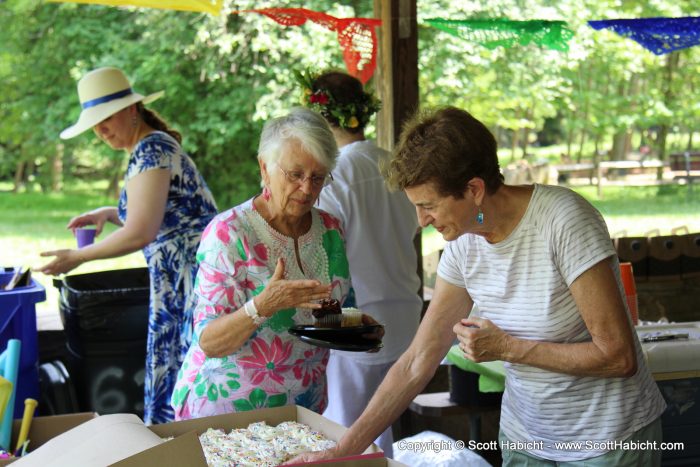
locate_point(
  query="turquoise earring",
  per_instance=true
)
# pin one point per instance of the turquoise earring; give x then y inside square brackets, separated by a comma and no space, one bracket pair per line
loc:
[480,217]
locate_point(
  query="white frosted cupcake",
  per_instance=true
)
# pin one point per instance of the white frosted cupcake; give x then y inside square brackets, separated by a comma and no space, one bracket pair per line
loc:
[351,317]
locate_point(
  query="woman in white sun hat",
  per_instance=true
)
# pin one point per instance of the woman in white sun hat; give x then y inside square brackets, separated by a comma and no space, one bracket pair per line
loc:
[163,208]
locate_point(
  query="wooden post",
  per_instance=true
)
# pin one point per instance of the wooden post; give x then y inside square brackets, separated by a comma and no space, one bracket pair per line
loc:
[599,174]
[397,69]
[396,78]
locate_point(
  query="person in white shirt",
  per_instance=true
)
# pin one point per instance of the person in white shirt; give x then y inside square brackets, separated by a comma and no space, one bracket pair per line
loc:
[379,229]
[538,262]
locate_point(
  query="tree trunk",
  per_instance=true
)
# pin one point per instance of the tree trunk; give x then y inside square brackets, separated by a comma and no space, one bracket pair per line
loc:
[113,188]
[622,146]
[514,144]
[20,176]
[661,141]
[617,152]
[570,136]
[57,169]
[634,90]
[581,142]
[584,118]
[618,147]
[598,171]
[672,61]
[627,148]
[115,175]
[526,133]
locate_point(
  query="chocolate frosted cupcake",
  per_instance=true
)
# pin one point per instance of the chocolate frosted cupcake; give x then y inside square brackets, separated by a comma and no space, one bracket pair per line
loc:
[329,315]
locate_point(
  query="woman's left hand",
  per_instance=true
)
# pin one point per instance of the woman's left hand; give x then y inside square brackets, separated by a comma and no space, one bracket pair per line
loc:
[481,340]
[64,261]
[367,320]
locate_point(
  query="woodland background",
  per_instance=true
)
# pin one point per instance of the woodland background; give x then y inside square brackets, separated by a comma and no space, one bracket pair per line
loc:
[224,76]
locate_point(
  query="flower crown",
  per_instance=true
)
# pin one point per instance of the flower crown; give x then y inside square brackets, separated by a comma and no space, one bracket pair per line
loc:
[351,115]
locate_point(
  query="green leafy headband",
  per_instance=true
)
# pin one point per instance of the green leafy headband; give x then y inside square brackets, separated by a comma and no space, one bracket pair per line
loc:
[351,115]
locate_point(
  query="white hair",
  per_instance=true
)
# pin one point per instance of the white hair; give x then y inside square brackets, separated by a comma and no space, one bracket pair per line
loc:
[307,127]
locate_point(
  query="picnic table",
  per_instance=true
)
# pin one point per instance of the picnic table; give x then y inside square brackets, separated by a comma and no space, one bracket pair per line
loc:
[686,166]
[604,169]
[592,170]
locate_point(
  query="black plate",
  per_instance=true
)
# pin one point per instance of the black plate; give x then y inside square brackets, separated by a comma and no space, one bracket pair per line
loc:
[350,331]
[348,338]
[360,345]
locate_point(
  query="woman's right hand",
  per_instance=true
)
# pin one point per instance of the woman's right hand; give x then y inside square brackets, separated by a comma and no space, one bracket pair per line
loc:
[97,217]
[280,294]
[64,261]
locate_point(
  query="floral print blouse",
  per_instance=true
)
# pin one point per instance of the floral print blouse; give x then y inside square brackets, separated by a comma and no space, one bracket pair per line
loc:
[237,257]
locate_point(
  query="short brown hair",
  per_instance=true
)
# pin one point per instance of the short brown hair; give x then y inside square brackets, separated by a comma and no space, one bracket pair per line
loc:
[447,147]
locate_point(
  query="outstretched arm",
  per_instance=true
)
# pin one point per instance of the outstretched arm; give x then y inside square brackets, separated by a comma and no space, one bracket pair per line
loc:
[147,195]
[408,376]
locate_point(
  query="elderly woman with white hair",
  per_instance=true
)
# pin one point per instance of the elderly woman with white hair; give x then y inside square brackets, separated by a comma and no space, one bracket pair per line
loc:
[264,265]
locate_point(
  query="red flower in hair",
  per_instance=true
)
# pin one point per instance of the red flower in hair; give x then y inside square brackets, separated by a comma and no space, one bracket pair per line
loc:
[319,97]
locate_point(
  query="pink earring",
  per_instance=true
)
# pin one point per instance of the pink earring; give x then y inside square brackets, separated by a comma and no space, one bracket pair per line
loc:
[266,193]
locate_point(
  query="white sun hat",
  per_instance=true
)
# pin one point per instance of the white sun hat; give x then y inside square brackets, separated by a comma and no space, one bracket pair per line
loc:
[102,93]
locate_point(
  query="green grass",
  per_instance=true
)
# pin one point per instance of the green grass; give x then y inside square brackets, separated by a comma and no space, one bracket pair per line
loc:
[36,222]
[638,210]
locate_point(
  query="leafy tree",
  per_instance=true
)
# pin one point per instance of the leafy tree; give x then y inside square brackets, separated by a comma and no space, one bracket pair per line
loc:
[225,75]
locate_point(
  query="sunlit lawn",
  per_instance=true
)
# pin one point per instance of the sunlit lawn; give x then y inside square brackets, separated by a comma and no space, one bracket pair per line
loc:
[35,222]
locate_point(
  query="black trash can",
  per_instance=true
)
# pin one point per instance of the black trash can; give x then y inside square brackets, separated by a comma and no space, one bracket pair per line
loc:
[464,389]
[105,317]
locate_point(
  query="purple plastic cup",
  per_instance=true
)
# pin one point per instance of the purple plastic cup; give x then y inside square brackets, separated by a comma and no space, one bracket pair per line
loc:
[85,237]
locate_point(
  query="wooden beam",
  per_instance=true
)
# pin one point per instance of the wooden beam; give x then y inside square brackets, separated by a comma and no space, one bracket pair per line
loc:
[396,78]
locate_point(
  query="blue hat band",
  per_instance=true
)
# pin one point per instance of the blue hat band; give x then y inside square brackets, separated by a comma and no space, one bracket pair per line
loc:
[107,98]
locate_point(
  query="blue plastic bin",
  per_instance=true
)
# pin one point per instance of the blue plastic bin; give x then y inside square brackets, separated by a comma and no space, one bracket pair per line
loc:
[18,321]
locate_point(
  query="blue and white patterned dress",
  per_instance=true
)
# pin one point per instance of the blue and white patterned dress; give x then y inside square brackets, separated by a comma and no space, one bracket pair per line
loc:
[172,265]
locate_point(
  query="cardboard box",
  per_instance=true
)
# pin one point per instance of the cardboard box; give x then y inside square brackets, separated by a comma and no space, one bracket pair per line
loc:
[45,428]
[185,451]
[122,440]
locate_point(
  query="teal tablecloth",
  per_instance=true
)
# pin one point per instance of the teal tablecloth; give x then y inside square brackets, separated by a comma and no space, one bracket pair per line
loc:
[492,375]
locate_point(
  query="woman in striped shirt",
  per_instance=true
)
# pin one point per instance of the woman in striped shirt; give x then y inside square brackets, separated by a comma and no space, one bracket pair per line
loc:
[538,262]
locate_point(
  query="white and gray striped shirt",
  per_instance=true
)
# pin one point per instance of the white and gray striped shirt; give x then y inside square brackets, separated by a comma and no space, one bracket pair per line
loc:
[522,285]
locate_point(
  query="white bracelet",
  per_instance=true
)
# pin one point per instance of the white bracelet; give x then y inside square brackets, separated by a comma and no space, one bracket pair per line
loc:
[252,312]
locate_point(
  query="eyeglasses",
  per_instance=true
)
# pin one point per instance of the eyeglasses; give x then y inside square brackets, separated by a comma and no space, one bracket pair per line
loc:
[317,181]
